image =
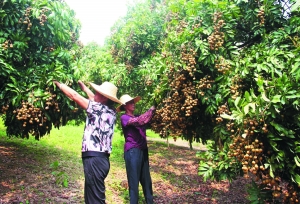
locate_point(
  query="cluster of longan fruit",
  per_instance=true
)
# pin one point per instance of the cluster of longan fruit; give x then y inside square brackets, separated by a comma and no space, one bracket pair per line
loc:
[43,18]
[190,101]
[33,116]
[287,192]
[181,26]
[51,101]
[26,19]
[261,16]
[188,57]
[163,54]
[32,119]
[216,39]
[247,148]
[177,82]
[149,82]
[4,108]
[222,65]
[28,113]
[204,83]
[167,121]
[271,183]
[170,119]
[184,90]
[171,16]
[223,109]
[7,45]
[113,50]
[235,87]
[50,49]
[197,25]
[290,195]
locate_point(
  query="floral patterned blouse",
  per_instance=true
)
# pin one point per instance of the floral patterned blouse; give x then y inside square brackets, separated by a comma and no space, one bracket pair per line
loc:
[99,129]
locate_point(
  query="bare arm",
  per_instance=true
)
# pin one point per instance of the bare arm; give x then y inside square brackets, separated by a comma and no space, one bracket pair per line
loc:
[73,95]
[86,90]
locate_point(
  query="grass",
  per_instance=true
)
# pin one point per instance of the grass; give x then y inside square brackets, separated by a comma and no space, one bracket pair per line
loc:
[60,153]
[62,148]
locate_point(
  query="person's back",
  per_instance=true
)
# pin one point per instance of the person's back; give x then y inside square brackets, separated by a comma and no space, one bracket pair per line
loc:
[97,137]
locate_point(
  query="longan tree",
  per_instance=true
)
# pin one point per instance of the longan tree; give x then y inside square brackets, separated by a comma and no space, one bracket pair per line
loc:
[225,73]
[39,43]
[134,40]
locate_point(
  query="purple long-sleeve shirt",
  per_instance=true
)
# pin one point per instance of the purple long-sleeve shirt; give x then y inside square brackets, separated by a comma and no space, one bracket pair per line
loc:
[134,129]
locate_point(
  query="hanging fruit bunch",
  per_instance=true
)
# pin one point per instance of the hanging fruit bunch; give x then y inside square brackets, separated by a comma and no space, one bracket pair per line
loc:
[176,114]
[216,39]
[26,20]
[247,147]
[43,17]
[170,120]
[7,44]
[222,65]
[38,114]
[261,16]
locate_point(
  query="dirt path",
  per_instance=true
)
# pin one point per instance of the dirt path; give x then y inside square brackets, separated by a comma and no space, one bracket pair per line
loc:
[180,143]
[181,183]
[174,172]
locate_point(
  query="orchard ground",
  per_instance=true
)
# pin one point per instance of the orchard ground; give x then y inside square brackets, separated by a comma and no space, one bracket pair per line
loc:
[34,171]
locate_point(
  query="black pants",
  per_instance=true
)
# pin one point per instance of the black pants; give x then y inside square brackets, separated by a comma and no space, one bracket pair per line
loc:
[137,169]
[95,171]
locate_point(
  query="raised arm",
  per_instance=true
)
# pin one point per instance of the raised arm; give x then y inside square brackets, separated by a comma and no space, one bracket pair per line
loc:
[143,119]
[86,90]
[73,95]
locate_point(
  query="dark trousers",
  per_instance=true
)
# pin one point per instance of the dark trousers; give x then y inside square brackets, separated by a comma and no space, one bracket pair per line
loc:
[95,171]
[137,169]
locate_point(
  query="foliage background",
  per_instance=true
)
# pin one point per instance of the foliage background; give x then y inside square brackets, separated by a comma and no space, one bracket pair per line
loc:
[39,43]
[224,73]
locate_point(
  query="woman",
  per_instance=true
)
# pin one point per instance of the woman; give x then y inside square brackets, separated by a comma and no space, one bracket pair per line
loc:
[98,134]
[135,148]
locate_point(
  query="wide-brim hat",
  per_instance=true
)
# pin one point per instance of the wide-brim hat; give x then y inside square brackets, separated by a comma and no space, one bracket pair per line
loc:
[126,98]
[108,90]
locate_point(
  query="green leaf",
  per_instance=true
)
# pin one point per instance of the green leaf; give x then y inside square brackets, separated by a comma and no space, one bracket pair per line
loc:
[297,161]
[297,149]
[276,99]
[11,85]
[271,171]
[247,108]
[263,95]
[247,96]
[297,178]
[236,102]
[38,93]
[293,96]
[226,116]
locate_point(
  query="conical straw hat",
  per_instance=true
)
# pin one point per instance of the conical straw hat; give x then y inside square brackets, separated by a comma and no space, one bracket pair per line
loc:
[108,90]
[126,98]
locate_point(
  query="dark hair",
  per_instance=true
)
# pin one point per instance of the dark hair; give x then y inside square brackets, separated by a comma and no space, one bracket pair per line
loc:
[122,108]
[111,104]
